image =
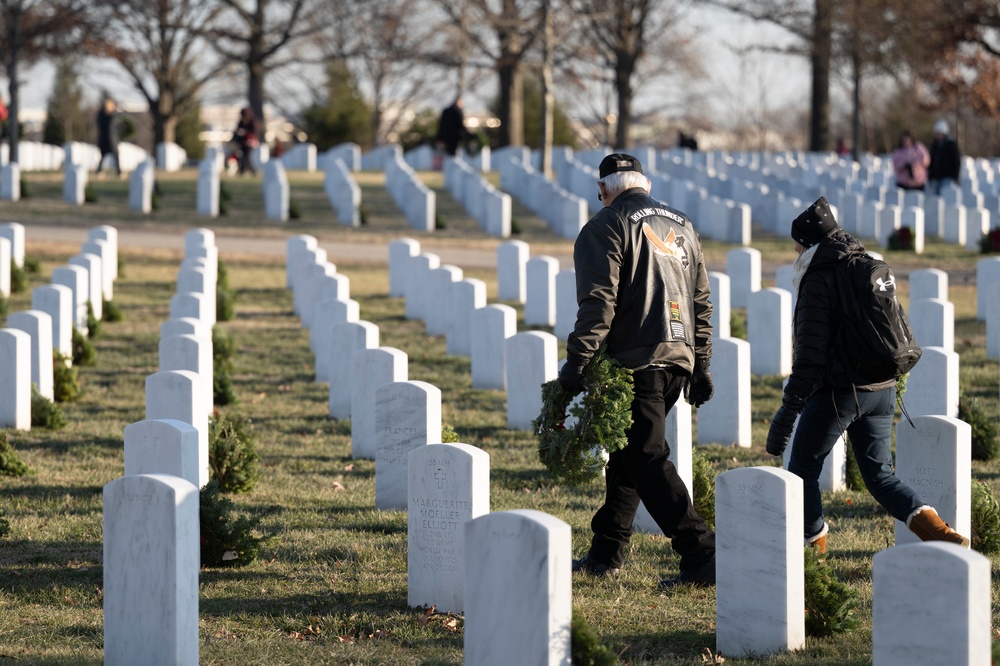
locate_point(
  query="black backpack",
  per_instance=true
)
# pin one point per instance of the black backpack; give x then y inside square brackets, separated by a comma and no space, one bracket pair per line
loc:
[875,334]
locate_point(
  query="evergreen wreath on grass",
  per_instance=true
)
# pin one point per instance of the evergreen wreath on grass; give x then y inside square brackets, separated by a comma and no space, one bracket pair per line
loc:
[575,454]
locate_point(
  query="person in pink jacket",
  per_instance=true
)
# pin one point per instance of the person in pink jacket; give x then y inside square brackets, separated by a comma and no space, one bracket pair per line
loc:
[910,161]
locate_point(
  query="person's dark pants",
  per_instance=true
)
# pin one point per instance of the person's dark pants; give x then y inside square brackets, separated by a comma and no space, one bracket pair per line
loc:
[868,420]
[114,154]
[641,471]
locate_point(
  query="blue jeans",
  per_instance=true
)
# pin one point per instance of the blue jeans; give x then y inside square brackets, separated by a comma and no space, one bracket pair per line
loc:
[869,427]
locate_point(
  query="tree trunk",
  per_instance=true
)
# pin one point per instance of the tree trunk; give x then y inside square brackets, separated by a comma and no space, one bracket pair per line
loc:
[256,91]
[511,104]
[13,19]
[822,47]
[856,110]
[623,88]
[548,100]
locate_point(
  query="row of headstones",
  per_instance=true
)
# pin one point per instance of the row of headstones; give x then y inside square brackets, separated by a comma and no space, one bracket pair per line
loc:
[82,158]
[563,211]
[870,205]
[342,191]
[405,412]
[487,205]
[32,336]
[428,158]
[151,514]
[417,202]
[274,186]
[452,537]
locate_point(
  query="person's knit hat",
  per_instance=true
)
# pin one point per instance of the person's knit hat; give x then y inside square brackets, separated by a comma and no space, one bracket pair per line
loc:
[813,224]
[616,162]
[941,127]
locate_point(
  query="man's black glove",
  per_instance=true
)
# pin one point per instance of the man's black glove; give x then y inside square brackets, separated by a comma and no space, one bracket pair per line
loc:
[700,386]
[780,431]
[571,377]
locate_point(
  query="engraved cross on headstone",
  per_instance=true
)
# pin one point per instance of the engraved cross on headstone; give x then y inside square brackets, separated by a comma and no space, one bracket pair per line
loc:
[439,475]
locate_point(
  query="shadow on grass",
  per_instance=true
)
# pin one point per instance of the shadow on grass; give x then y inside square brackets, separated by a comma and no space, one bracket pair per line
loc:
[678,644]
[51,661]
[42,492]
[329,602]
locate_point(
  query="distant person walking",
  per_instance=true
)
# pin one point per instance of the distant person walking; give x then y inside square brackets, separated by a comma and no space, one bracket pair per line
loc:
[451,128]
[247,138]
[910,161]
[829,397]
[107,133]
[946,159]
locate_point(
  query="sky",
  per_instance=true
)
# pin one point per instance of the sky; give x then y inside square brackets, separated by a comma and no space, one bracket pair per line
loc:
[733,86]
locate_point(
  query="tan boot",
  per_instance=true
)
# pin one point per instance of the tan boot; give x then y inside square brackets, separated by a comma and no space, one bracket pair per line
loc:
[818,541]
[927,524]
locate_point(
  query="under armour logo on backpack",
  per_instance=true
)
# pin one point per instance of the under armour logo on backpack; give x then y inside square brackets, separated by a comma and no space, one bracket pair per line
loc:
[885,285]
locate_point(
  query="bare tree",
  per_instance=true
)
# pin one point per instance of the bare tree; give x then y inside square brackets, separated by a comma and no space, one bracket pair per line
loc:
[621,32]
[385,42]
[261,35]
[159,47]
[503,31]
[34,28]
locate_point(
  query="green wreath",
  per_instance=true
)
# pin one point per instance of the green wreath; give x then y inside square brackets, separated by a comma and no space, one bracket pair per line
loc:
[575,455]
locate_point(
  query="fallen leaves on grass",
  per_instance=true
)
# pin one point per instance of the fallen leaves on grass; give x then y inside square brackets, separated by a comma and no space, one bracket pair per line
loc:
[349,468]
[708,658]
[311,631]
[446,621]
[338,486]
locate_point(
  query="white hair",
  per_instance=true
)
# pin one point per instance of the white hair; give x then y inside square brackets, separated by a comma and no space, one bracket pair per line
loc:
[620,181]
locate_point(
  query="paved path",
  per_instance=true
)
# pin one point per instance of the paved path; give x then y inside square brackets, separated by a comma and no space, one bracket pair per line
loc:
[370,250]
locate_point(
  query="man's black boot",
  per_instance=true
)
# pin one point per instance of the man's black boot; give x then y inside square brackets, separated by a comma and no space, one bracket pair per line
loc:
[703,576]
[593,567]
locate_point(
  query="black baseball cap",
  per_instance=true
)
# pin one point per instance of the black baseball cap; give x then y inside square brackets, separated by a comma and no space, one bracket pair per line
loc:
[616,162]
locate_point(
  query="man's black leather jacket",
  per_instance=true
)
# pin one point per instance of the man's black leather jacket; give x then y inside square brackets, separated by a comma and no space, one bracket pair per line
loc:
[641,287]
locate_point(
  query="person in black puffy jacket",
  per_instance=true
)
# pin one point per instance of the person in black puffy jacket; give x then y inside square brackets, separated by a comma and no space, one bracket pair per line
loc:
[820,392]
[642,291]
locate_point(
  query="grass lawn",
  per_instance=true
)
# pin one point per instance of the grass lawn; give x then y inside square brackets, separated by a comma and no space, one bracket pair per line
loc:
[330,587]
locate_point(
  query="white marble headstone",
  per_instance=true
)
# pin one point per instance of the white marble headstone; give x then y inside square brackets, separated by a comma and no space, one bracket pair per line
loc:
[56,300]
[987,275]
[512,258]
[490,328]
[718,284]
[371,368]
[933,323]
[190,352]
[76,278]
[5,262]
[38,325]
[345,339]
[95,289]
[743,269]
[760,579]
[191,305]
[935,459]
[401,251]
[15,377]
[407,415]
[151,562]
[769,329]
[179,394]
[419,284]
[14,232]
[448,485]
[928,283]
[293,246]
[438,300]
[162,446]
[185,326]
[932,388]
[566,305]
[467,296]
[726,418]
[517,589]
[540,296]
[531,360]
[930,605]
